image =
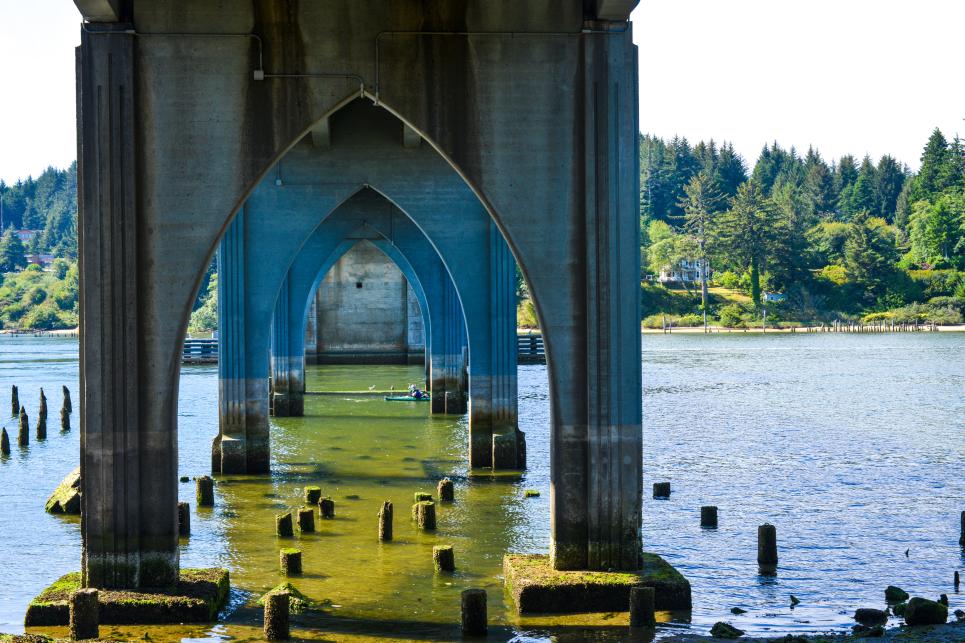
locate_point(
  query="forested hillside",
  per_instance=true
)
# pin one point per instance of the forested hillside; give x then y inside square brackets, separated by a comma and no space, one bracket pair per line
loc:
[836,237]
[47,203]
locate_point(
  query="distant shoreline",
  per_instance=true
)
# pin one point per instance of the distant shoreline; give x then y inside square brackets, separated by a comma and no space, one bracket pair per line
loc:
[714,330]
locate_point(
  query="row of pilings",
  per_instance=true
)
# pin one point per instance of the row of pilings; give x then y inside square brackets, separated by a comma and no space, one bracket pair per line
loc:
[880,326]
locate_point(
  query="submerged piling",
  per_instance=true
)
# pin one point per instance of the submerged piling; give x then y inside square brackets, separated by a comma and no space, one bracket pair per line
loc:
[4,442]
[23,437]
[385,521]
[443,558]
[767,548]
[184,519]
[276,616]
[961,539]
[283,525]
[958,580]
[84,615]
[708,517]
[14,401]
[326,508]
[661,489]
[205,491]
[445,490]
[474,612]
[306,520]
[424,514]
[642,607]
[67,404]
[64,420]
[290,561]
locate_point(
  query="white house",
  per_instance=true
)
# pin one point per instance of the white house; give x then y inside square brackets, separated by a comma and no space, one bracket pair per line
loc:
[684,271]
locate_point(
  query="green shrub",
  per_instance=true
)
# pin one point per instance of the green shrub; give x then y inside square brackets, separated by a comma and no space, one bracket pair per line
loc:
[729,279]
[656,321]
[690,320]
[835,274]
[526,314]
[42,317]
[731,316]
[36,296]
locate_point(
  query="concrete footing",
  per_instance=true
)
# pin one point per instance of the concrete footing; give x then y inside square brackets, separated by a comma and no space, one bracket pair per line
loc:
[197,598]
[536,587]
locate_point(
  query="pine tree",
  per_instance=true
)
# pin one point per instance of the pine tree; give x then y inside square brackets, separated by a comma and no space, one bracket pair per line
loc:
[700,204]
[890,180]
[845,175]
[864,194]
[12,252]
[929,181]
[731,171]
[867,257]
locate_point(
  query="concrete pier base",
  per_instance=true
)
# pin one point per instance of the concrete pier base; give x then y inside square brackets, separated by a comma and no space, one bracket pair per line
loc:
[536,587]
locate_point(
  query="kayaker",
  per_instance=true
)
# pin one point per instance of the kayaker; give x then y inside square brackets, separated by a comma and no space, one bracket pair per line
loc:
[415,392]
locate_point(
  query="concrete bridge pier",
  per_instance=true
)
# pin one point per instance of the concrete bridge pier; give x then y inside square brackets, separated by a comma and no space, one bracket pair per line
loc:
[287,395]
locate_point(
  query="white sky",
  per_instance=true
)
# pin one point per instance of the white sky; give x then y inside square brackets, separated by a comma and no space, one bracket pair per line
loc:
[848,76]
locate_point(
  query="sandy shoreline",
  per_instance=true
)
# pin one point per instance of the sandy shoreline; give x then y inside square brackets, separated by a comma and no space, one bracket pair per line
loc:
[699,330]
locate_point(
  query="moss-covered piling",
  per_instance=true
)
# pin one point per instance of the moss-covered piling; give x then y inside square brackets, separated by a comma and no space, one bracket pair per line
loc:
[306,520]
[326,508]
[276,616]
[14,401]
[474,620]
[445,490]
[205,491]
[84,615]
[290,561]
[443,558]
[4,442]
[385,521]
[642,600]
[64,420]
[283,525]
[424,514]
[421,496]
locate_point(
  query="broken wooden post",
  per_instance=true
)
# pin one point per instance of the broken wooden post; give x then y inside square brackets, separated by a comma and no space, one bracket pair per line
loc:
[474,612]
[205,491]
[290,561]
[312,495]
[283,525]
[385,521]
[767,548]
[642,607]
[661,489]
[23,437]
[42,417]
[326,508]
[67,404]
[306,520]
[64,420]
[421,496]
[14,401]
[424,514]
[708,517]
[276,616]
[184,519]
[445,490]
[84,614]
[443,558]
[4,442]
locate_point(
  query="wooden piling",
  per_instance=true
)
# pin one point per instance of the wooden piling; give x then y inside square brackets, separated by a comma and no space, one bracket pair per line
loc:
[661,489]
[445,490]
[313,495]
[14,401]
[4,442]
[290,561]
[64,420]
[961,539]
[385,521]
[326,508]
[276,616]
[642,607]
[708,517]
[205,491]
[184,519]
[23,437]
[474,612]
[283,525]
[958,580]
[767,547]
[42,417]
[421,496]
[424,514]
[443,558]
[84,615]
[67,404]
[306,520]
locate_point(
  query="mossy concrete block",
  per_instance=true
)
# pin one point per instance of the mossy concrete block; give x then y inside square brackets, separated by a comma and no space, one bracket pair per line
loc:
[537,588]
[197,598]
[66,497]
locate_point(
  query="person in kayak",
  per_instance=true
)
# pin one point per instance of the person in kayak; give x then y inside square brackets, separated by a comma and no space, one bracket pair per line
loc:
[415,392]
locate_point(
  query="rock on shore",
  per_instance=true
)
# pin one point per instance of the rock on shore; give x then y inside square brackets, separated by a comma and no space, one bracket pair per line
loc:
[66,498]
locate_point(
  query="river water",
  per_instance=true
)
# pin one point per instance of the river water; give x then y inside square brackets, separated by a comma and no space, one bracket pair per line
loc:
[850,444]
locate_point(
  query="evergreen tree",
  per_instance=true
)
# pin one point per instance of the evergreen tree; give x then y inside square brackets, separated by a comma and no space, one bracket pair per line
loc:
[931,176]
[864,194]
[731,171]
[12,252]
[700,204]
[845,175]
[890,181]
[818,187]
[868,258]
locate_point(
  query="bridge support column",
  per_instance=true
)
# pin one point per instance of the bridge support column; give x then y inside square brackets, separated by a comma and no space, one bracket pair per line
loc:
[242,442]
[128,452]
[597,441]
[287,355]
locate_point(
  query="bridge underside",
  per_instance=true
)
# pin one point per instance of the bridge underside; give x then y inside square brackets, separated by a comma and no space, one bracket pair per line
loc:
[188,110]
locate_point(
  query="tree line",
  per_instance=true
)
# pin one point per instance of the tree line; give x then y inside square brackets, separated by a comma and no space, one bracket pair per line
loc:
[832,236]
[48,204]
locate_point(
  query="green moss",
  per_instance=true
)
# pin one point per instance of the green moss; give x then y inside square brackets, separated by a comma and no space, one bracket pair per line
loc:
[531,493]
[290,551]
[297,602]
[421,496]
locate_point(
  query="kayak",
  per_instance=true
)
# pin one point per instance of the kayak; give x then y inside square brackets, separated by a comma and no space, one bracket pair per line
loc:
[406,398]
